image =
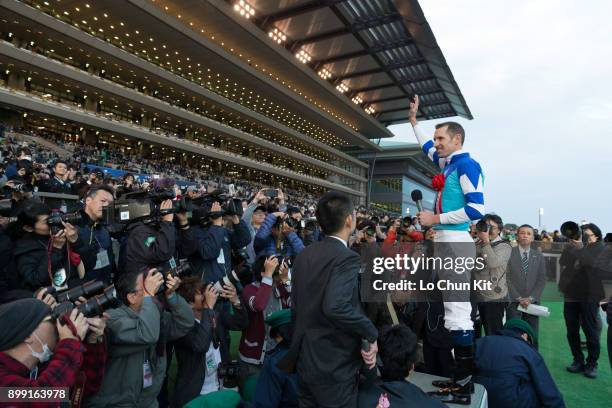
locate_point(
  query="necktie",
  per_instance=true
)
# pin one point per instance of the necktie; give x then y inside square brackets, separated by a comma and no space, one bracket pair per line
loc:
[525,263]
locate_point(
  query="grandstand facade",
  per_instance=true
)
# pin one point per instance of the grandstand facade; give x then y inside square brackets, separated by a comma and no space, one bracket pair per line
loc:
[297,92]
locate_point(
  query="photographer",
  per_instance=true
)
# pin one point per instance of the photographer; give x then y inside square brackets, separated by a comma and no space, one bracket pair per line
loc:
[213,259]
[277,237]
[254,215]
[496,253]
[24,156]
[137,334]
[97,252]
[36,351]
[43,258]
[149,244]
[270,292]
[582,288]
[205,346]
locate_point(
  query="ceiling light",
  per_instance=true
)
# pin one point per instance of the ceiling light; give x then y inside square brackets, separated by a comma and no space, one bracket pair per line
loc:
[370,110]
[357,100]
[244,9]
[277,36]
[303,56]
[325,74]
[342,87]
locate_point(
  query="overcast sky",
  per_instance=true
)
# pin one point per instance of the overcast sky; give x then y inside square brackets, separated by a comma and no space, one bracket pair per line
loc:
[537,76]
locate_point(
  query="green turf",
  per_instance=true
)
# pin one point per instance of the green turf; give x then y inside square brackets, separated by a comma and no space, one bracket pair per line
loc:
[578,391]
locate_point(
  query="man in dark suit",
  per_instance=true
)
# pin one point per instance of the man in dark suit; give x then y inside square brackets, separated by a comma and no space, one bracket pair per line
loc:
[329,321]
[526,277]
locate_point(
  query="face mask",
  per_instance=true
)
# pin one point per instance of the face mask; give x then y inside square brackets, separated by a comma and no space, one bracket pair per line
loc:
[43,356]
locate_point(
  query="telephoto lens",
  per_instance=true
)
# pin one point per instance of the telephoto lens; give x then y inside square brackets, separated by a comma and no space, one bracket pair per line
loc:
[98,304]
[85,290]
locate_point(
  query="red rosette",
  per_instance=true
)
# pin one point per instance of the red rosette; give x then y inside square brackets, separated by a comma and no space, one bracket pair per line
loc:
[437,182]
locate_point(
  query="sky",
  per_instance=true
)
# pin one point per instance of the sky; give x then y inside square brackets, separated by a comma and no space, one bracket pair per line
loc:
[537,76]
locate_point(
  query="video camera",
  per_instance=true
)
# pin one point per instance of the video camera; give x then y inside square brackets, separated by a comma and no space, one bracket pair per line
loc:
[57,217]
[229,373]
[200,210]
[94,306]
[142,206]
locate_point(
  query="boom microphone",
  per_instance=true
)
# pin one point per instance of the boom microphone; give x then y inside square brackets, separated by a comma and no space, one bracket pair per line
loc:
[417,196]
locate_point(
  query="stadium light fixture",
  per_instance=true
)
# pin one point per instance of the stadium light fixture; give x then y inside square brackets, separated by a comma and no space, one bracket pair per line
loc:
[277,36]
[370,110]
[303,56]
[245,10]
[357,100]
[342,87]
[324,73]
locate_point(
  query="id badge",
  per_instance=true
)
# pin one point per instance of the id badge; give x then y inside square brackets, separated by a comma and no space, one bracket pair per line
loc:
[147,375]
[221,257]
[102,260]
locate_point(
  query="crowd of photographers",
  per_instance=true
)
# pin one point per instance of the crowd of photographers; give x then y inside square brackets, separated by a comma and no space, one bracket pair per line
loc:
[100,293]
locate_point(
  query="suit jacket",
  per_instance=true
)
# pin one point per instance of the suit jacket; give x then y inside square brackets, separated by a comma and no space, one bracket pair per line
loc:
[533,283]
[329,321]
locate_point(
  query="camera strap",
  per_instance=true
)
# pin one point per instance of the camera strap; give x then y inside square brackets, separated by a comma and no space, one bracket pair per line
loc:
[392,312]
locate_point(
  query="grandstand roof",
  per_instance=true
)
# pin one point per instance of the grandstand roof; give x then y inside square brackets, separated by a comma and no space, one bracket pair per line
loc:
[383,51]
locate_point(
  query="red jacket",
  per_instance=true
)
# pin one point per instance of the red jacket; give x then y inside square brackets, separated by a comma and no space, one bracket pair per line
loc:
[256,299]
[70,357]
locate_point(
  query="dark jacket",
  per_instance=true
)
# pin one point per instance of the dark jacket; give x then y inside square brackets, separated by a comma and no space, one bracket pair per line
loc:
[96,239]
[33,262]
[397,393]
[581,274]
[275,388]
[514,373]
[191,350]
[327,313]
[265,243]
[147,246]
[213,242]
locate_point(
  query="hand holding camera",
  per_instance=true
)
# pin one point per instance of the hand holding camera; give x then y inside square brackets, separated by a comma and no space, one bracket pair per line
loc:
[229,292]
[76,320]
[46,297]
[270,266]
[59,239]
[216,207]
[167,205]
[210,297]
[71,233]
[172,284]
[97,325]
[152,282]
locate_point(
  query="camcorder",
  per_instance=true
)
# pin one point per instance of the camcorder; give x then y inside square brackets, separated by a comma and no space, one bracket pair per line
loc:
[18,187]
[142,206]
[57,217]
[94,306]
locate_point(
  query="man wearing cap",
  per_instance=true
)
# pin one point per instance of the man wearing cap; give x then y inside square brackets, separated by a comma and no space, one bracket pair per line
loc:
[36,351]
[511,369]
[276,388]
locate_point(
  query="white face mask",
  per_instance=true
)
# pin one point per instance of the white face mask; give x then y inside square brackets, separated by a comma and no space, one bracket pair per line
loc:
[46,353]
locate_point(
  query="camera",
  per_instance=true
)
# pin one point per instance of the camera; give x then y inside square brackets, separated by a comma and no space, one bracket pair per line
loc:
[57,217]
[229,372]
[182,268]
[482,226]
[572,231]
[228,278]
[95,306]
[85,290]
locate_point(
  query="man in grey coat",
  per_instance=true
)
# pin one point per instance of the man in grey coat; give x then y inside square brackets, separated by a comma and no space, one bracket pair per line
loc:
[137,336]
[526,277]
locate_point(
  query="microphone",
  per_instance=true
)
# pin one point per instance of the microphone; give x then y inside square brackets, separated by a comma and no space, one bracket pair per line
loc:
[417,197]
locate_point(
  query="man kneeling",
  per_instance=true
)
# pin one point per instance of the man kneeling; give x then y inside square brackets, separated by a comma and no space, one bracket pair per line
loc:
[397,346]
